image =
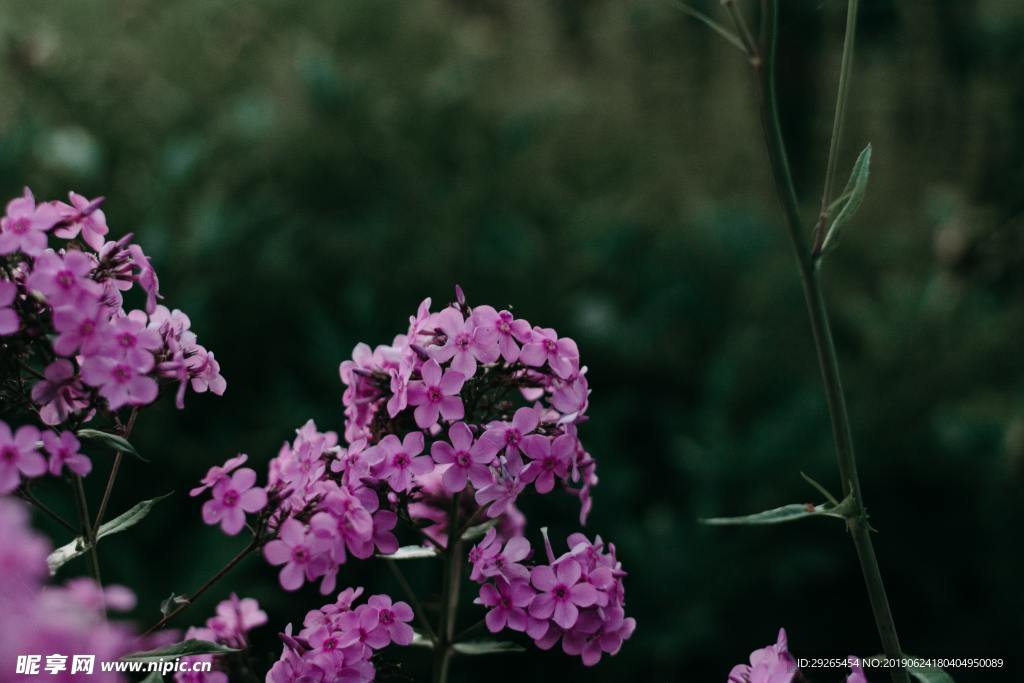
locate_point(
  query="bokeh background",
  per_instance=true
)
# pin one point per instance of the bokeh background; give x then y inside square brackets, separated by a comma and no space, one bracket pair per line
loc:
[304,173]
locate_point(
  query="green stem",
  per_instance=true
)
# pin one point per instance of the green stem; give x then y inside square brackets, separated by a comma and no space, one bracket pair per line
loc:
[825,349]
[88,532]
[253,545]
[421,616]
[27,496]
[449,596]
[845,69]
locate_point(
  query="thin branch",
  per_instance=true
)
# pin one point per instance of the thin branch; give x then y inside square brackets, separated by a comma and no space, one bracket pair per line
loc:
[27,496]
[722,31]
[253,544]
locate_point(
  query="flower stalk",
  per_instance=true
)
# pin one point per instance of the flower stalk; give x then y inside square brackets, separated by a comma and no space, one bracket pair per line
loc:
[818,316]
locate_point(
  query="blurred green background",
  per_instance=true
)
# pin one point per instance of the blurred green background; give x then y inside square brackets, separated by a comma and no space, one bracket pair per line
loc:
[304,173]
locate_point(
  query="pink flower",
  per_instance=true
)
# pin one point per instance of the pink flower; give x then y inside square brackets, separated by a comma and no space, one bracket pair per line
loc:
[346,524]
[85,216]
[235,618]
[500,495]
[550,458]
[771,664]
[856,672]
[509,435]
[129,338]
[508,329]
[301,553]
[507,602]
[18,454]
[393,618]
[561,593]
[562,355]
[465,458]
[64,281]
[25,225]
[121,381]
[9,322]
[232,498]
[436,394]
[465,343]
[398,461]
[205,372]
[218,473]
[63,451]
[59,393]
[81,327]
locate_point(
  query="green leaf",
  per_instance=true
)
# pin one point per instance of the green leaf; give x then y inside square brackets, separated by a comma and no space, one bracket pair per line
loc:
[79,546]
[118,443]
[185,648]
[478,531]
[171,603]
[849,201]
[411,552]
[787,513]
[420,639]
[486,647]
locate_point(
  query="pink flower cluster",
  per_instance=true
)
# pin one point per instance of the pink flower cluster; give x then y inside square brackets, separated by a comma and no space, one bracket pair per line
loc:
[42,619]
[774,664]
[577,597]
[20,456]
[230,626]
[338,640]
[101,356]
[456,376]
[468,409]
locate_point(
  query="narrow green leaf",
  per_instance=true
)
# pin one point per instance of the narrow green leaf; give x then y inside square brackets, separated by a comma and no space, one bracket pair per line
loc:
[725,33]
[486,647]
[420,639]
[478,531]
[118,443]
[186,648]
[171,603]
[786,513]
[411,552]
[850,199]
[821,489]
[79,546]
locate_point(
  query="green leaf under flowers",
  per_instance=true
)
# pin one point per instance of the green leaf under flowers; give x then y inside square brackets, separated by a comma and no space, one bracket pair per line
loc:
[186,648]
[411,552]
[788,513]
[118,443]
[79,546]
[420,639]
[478,531]
[849,201]
[486,647]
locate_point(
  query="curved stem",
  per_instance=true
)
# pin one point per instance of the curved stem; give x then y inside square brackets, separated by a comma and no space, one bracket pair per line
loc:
[826,353]
[253,544]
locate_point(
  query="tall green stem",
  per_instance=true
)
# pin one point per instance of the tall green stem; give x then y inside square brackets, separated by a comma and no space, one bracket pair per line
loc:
[449,596]
[824,345]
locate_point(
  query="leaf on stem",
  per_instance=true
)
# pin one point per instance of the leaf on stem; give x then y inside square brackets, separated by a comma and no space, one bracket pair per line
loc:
[421,639]
[79,546]
[848,202]
[479,530]
[186,648]
[171,603]
[411,552]
[486,647]
[787,513]
[118,443]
